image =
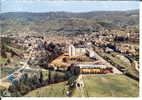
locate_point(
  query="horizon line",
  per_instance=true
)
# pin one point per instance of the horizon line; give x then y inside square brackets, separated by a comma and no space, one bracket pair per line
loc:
[123,10]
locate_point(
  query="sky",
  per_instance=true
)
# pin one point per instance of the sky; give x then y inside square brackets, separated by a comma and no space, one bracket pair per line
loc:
[67,6]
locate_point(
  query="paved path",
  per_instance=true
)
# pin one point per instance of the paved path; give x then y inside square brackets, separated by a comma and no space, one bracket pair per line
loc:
[81,88]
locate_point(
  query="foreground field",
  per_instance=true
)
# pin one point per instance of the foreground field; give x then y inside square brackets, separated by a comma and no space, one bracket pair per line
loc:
[54,90]
[109,86]
[95,86]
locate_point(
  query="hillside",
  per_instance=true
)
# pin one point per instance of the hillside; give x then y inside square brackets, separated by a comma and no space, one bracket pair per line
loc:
[66,22]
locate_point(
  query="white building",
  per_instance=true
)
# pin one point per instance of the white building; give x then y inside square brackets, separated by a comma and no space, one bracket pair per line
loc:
[76,51]
[90,52]
[72,50]
[80,50]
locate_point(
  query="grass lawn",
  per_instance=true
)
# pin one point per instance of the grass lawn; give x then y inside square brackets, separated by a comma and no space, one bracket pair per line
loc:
[54,90]
[109,86]
[95,86]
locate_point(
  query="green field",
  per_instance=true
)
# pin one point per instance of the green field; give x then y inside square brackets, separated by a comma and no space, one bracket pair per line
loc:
[109,86]
[54,90]
[95,86]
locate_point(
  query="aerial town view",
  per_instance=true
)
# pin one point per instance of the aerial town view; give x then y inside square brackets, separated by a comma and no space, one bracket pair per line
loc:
[69,49]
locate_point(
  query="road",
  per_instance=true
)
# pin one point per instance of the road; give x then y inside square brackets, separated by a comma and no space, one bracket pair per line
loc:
[115,70]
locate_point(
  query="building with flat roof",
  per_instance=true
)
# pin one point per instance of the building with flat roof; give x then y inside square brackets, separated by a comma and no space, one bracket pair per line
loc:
[79,50]
[92,66]
[76,50]
[94,69]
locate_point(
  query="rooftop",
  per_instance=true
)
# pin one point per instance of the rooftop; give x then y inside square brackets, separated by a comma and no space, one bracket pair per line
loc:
[92,66]
[82,44]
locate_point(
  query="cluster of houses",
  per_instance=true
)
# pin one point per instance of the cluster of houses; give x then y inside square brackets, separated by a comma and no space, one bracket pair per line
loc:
[124,48]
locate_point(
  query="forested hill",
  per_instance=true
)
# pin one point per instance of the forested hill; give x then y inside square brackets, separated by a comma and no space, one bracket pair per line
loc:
[67,22]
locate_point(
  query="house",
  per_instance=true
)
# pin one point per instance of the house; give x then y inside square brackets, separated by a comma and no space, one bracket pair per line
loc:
[90,52]
[108,50]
